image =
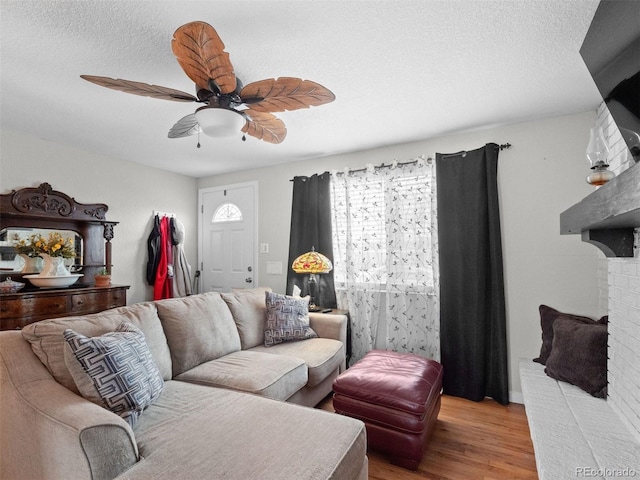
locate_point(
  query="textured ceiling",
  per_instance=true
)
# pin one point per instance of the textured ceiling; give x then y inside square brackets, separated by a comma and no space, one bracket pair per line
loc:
[401,71]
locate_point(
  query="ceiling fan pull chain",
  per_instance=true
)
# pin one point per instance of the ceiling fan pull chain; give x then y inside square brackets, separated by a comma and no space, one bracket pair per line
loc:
[198,140]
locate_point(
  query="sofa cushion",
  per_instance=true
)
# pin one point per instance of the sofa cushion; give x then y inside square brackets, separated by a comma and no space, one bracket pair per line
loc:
[579,355]
[321,355]
[48,343]
[201,432]
[121,369]
[199,328]
[287,319]
[249,312]
[548,316]
[272,376]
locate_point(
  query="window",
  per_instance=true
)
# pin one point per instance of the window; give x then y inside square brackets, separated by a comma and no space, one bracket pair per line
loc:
[385,257]
[382,227]
[227,212]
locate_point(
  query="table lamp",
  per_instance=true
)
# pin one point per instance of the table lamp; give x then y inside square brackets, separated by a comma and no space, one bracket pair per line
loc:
[312,263]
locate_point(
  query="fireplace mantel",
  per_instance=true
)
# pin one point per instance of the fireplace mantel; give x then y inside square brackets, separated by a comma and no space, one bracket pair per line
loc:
[608,216]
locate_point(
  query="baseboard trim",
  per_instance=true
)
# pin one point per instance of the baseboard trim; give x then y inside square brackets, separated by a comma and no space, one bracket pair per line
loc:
[516,397]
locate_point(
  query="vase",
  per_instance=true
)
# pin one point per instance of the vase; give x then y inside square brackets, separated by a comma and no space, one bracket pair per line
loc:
[103,280]
[53,267]
[31,264]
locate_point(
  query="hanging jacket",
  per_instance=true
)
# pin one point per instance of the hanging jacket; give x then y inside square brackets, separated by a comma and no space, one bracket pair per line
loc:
[162,287]
[168,250]
[153,250]
[181,267]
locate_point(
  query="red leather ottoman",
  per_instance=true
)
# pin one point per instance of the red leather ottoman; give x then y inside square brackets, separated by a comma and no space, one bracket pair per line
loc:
[397,396]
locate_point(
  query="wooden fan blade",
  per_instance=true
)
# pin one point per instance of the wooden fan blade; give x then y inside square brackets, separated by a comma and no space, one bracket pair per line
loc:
[264,126]
[185,127]
[286,93]
[200,53]
[139,88]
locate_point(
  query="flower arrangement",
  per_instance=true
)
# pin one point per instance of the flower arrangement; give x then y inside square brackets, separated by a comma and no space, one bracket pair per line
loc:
[55,245]
[27,246]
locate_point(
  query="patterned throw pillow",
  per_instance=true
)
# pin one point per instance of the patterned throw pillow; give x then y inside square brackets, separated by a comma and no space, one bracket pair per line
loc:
[287,319]
[121,368]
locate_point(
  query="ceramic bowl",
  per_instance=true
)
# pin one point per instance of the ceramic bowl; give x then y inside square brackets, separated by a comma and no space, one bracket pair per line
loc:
[9,286]
[53,282]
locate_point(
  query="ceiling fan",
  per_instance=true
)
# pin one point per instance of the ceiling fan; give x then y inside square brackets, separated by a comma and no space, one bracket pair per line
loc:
[228,105]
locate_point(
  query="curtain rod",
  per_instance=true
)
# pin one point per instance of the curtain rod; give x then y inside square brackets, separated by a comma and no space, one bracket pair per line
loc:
[384,165]
[463,153]
[413,162]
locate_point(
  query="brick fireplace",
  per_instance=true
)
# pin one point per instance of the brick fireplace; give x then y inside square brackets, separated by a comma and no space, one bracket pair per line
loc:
[620,297]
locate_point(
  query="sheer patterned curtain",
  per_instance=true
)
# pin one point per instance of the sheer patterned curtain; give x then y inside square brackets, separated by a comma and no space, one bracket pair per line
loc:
[386,257]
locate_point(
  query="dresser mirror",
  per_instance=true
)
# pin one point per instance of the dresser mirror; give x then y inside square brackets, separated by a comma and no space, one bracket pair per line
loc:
[11,261]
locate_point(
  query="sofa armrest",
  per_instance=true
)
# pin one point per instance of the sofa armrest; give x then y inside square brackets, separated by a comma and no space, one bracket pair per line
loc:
[329,326]
[47,431]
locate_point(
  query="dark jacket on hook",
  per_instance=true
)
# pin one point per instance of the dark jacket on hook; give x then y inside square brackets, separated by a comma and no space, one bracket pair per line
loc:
[153,249]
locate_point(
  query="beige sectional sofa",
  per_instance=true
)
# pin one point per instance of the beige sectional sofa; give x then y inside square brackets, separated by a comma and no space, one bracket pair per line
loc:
[231,408]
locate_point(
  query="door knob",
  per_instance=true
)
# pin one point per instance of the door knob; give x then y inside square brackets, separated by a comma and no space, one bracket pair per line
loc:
[248,279]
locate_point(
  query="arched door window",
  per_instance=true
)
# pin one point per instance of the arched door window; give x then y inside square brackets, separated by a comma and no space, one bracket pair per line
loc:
[227,212]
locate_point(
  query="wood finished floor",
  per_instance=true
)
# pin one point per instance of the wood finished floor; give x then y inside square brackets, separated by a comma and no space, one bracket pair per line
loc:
[471,441]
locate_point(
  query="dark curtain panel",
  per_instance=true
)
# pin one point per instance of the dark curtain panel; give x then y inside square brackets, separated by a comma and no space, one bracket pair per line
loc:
[473,338]
[311,227]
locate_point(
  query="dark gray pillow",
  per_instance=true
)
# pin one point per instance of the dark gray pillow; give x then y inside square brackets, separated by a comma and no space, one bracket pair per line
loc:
[579,355]
[287,319]
[548,316]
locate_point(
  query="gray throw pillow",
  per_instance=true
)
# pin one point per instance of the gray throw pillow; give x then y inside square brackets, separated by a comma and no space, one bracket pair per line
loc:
[548,316]
[121,369]
[579,355]
[287,319]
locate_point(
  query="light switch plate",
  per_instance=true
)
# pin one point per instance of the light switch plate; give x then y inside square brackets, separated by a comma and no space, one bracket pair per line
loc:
[264,248]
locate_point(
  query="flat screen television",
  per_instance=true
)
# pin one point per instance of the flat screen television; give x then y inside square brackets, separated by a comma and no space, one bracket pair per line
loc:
[611,52]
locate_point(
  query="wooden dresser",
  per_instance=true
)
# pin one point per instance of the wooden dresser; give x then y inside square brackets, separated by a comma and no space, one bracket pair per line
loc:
[43,209]
[20,309]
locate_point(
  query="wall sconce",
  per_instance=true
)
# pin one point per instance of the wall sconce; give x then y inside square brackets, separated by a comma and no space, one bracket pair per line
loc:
[597,153]
[312,263]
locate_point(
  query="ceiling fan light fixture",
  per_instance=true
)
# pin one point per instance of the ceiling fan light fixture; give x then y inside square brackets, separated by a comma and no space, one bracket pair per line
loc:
[200,52]
[219,122]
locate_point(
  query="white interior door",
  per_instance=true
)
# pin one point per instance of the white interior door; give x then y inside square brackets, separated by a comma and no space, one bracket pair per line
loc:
[226,247]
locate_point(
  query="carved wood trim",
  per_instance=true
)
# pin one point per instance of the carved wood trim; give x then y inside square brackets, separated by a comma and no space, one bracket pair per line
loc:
[44,201]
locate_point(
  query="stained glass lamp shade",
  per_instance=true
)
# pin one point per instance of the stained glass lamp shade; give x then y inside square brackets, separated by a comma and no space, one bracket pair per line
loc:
[312,263]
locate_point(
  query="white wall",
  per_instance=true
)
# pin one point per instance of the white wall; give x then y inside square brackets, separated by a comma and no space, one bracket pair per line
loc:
[132,192]
[541,175]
